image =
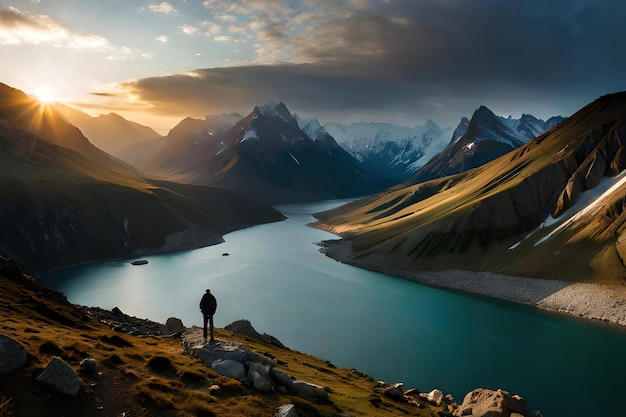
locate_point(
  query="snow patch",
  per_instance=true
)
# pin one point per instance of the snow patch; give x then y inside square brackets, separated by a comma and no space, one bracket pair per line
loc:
[588,201]
[250,134]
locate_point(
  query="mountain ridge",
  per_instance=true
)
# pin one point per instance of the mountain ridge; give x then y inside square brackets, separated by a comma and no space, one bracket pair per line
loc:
[464,220]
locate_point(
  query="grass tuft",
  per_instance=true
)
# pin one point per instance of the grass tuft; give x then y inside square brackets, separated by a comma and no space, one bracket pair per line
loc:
[5,406]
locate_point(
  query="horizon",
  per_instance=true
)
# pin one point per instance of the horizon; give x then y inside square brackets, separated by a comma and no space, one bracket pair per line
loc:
[386,61]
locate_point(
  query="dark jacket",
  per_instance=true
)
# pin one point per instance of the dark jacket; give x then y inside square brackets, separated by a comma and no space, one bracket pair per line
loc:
[208,304]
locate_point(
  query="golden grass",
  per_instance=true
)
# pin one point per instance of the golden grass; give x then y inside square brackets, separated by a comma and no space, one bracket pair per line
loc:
[151,376]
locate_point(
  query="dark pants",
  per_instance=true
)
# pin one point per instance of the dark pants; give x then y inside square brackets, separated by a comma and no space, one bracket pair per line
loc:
[208,318]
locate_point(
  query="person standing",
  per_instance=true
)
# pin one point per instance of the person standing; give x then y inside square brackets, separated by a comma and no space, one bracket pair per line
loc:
[208,305]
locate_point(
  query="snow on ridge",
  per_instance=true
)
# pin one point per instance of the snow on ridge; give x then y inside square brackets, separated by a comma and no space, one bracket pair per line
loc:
[250,134]
[588,201]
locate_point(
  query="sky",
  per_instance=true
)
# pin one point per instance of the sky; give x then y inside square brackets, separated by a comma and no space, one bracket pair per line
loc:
[397,61]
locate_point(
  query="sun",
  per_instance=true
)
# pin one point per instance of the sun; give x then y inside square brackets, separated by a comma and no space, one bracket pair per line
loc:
[45,95]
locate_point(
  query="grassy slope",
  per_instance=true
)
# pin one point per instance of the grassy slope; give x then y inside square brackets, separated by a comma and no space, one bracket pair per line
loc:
[46,325]
[462,221]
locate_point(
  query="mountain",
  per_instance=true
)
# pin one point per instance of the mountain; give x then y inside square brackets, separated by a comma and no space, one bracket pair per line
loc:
[109,132]
[552,208]
[389,150]
[266,156]
[483,138]
[65,202]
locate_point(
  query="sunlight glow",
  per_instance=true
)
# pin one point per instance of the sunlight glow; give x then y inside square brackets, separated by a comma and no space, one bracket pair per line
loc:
[45,95]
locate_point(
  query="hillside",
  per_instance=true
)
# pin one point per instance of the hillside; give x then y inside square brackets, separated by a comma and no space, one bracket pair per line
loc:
[67,202]
[151,375]
[109,132]
[546,209]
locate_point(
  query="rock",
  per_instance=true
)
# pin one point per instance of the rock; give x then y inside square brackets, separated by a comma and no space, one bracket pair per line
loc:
[483,402]
[89,366]
[395,392]
[287,410]
[281,379]
[229,368]
[259,376]
[174,325]
[434,397]
[260,382]
[232,351]
[245,328]
[60,377]
[140,262]
[309,391]
[12,354]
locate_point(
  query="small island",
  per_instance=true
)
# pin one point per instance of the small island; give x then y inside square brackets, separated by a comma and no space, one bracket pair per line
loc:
[139,262]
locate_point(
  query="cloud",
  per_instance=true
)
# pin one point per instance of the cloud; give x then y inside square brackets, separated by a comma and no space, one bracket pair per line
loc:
[189,30]
[163,7]
[162,38]
[17,27]
[428,57]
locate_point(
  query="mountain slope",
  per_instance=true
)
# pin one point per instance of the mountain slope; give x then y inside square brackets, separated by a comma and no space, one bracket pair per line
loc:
[490,218]
[61,207]
[388,150]
[480,140]
[266,156]
[109,132]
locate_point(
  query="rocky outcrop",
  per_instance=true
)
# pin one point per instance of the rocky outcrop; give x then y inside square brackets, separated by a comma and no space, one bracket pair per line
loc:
[483,402]
[60,377]
[245,328]
[233,360]
[12,354]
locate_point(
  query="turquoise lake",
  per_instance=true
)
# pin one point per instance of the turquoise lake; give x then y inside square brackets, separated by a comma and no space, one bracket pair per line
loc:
[392,329]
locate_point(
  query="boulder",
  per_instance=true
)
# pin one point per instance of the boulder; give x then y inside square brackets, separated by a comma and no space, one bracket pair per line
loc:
[395,392]
[60,377]
[89,366]
[229,368]
[245,328]
[231,351]
[434,397]
[309,391]
[282,379]
[287,410]
[483,402]
[12,354]
[260,382]
[174,325]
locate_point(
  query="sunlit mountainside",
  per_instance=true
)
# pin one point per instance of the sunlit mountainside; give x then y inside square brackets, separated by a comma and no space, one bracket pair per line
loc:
[109,132]
[552,208]
[65,202]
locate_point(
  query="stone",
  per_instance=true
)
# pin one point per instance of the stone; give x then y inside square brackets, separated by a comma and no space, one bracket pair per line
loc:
[309,391]
[89,365]
[395,392]
[245,328]
[260,382]
[60,377]
[12,354]
[174,325]
[287,410]
[483,402]
[281,379]
[434,397]
[229,368]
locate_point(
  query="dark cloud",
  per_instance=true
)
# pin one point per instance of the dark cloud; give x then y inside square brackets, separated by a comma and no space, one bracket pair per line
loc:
[438,59]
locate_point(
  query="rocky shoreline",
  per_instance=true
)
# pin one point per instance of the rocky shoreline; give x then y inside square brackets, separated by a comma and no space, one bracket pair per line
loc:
[591,301]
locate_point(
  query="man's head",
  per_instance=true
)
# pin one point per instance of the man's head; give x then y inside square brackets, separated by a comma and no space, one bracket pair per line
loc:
[208,290]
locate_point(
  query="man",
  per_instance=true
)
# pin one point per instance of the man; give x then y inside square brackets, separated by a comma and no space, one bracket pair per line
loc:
[208,305]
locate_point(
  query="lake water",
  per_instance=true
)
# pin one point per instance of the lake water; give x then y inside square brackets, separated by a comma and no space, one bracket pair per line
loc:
[392,329]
